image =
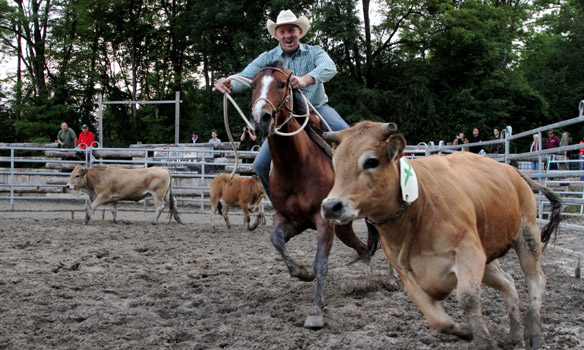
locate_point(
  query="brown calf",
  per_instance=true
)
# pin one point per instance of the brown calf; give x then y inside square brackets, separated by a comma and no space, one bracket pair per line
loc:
[470,211]
[245,192]
[110,185]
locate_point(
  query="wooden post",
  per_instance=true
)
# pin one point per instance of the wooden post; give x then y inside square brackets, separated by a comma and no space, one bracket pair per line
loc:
[100,122]
[176,116]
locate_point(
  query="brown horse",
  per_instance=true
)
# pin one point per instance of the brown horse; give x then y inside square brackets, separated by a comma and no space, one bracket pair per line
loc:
[301,177]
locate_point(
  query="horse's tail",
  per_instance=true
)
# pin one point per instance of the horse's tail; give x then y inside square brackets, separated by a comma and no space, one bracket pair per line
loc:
[172,204]
[551,228]
[372,238]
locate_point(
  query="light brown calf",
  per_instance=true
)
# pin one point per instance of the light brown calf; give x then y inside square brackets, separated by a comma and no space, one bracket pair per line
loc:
[470,211]
[110,185]
[244,192]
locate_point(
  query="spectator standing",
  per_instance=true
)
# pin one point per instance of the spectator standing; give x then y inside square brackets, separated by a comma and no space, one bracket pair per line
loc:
[248,139]
[496,148]
[195,137]
[214,140]
[581,157]
[86,138]
[552,141]
[66,137]
[475,138]
[534,148]
[461,140]
[564,141]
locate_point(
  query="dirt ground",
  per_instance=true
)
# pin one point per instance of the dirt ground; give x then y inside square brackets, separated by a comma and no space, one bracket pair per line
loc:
[65,285]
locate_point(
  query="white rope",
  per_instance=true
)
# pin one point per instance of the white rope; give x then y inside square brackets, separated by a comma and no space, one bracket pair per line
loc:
[247,82]
[226,96]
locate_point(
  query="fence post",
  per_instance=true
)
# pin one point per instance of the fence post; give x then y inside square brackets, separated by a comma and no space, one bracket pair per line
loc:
[508,132]
[11,178]
[100,119]
[176,116]
[539,162]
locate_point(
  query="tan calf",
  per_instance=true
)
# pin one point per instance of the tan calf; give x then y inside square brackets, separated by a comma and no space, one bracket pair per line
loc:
[470,211]
[110,185]
[247,193]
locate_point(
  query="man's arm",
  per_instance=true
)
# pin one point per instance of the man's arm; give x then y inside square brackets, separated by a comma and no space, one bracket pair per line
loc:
[324,71]
[325,68]
[224,84]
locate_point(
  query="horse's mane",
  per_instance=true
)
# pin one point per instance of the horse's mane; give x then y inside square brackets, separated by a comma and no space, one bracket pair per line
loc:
[276,64]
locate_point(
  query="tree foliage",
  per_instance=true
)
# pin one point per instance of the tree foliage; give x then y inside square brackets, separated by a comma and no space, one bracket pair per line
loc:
[434,67]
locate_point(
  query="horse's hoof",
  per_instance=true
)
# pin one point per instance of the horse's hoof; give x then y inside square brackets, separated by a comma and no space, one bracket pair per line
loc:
[514,338]
[314,321]
[305,273]
[533,344]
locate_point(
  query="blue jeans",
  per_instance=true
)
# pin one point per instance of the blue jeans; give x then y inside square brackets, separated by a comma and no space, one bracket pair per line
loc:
[581,164]
[261,164]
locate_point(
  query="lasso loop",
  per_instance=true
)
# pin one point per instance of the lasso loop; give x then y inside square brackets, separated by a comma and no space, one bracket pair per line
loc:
[308,106]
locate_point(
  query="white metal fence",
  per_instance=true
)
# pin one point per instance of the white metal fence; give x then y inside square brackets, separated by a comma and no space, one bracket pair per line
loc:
[25,175]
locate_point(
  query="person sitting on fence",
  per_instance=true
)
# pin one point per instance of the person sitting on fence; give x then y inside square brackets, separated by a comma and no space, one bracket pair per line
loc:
[66,137]
[86,139]
[214,140]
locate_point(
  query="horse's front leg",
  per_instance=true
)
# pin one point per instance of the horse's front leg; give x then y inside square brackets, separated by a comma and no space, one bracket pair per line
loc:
[325,237]
[282,233]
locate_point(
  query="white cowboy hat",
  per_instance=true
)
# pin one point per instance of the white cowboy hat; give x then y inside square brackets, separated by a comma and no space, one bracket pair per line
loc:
[287,17]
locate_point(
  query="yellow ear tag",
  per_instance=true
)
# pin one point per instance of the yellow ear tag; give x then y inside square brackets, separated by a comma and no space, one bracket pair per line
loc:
[408,181]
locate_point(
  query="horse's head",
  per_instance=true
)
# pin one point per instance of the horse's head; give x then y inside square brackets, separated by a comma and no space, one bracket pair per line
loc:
[271,98]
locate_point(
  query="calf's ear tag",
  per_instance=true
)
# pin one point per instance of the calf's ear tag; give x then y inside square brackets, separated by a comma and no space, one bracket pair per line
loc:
[408,181]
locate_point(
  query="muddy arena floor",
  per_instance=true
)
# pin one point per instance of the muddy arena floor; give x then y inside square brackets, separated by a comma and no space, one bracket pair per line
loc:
[132,285]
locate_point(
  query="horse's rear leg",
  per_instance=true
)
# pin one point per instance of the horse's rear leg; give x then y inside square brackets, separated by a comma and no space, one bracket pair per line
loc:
[528,248]
[498,279]
[347,235]
[325,239]
[282,233]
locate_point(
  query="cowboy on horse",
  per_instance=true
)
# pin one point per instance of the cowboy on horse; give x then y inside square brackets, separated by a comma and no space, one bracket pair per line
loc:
[311,67]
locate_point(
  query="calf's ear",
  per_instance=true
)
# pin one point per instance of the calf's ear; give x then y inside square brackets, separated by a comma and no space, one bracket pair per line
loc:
[395,147]
[83,171]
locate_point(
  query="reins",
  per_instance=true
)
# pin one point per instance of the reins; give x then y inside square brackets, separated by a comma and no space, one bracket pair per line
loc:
[247,82]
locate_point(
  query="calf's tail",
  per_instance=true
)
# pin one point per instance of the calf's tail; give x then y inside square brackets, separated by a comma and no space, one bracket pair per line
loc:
[551,228]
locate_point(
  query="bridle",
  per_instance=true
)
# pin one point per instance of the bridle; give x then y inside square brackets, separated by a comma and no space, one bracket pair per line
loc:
[283,105]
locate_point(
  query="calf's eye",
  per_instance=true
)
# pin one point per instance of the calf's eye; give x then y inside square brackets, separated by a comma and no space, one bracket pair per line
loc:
[371,163]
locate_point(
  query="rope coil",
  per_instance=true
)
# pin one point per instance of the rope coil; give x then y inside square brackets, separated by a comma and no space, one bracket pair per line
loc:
[247,82]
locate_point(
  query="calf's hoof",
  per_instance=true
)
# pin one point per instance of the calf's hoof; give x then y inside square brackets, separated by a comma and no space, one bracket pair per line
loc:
[461,330]
[304,273]
[314,321]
